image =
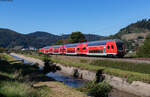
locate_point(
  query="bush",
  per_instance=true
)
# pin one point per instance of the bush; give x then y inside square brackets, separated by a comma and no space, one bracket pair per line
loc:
[144,51]
[100,90]
[97,89]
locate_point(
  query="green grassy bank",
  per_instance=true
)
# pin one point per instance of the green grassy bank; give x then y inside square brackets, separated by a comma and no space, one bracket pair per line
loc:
[18,79]
[14,81]
[128,70]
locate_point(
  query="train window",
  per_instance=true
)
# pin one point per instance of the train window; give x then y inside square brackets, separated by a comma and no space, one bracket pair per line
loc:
[112,46]
[55,51]
[84,48]
[78,48]
[108,47]
[95,51]
[70,51]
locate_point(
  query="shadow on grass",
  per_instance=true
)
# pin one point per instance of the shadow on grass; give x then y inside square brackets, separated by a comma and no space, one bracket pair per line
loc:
[4,78]
[28,72]
[16,79]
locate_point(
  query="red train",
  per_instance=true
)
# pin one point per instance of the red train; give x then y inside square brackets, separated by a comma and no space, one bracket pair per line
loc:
[114,47]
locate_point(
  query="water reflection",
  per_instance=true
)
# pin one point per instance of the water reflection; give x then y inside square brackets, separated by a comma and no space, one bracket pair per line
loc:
[68,80]
[25,61]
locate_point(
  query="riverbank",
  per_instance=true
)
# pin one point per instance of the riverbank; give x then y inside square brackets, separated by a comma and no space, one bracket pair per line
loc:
[19,79]
[136,87]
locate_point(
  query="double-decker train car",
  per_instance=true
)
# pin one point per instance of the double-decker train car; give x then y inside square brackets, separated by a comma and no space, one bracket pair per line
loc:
[56,49]
[43,50]
[62,49]
[71,49]
[82,49]
[114,47]
[50,51]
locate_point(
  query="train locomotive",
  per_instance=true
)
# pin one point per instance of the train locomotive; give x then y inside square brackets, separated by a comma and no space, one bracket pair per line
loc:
[109,48]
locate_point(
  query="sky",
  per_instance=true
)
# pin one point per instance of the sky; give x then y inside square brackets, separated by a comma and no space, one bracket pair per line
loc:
[102,17]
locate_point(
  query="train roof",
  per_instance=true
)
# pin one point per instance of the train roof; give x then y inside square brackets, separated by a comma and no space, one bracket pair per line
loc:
[92,43]
[57,46]
[72,45]
[46,47]
[102,42]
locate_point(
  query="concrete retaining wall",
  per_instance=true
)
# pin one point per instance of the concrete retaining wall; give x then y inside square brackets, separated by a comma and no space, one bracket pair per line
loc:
[136,87]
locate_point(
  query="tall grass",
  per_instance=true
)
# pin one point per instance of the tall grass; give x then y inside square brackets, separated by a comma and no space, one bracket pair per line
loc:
[18,89]
[128,66]
[13,82]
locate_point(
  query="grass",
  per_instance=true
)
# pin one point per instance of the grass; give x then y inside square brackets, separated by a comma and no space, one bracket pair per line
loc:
[128,70]
[18,89]
[101,89]
[127,66]
[13,80]
[122,72]
[18,80]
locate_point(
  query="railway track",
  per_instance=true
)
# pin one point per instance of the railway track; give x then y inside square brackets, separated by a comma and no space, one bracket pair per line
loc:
[133,60]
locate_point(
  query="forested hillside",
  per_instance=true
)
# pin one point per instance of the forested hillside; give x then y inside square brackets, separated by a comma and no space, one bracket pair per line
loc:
[11,39]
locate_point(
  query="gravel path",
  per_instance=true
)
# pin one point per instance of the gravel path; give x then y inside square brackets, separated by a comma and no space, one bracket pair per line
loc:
[34,60]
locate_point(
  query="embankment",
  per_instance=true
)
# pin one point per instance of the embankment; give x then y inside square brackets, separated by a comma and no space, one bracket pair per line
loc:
[136,87]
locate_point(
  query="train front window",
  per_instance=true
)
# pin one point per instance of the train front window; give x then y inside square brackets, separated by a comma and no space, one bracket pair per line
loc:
[112,46]
[119,46]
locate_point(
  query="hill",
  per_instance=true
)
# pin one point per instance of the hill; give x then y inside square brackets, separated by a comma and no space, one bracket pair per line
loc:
[134,34]
[12,39]
[8,38]
[89,37]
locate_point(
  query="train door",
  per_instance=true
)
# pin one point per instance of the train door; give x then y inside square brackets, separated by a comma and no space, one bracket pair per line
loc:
[79,50]
[111,48]
[84,48]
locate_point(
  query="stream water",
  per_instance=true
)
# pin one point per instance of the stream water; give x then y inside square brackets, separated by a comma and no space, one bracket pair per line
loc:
[76,83]
[67,80]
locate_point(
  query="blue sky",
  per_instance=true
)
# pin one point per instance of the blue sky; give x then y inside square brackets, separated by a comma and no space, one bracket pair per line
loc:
[102,17]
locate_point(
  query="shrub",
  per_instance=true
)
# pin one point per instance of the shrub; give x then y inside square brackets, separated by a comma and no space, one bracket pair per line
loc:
[100,90]
[97,89]
[144,51]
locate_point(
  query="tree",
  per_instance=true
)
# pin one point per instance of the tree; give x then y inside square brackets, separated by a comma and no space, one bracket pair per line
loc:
[49,66]
[77,37]
[59,42]
[65,41]
[144,51]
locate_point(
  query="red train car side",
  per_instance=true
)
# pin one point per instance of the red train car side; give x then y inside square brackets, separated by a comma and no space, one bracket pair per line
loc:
[82,48]
[62,49]
[114,47]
